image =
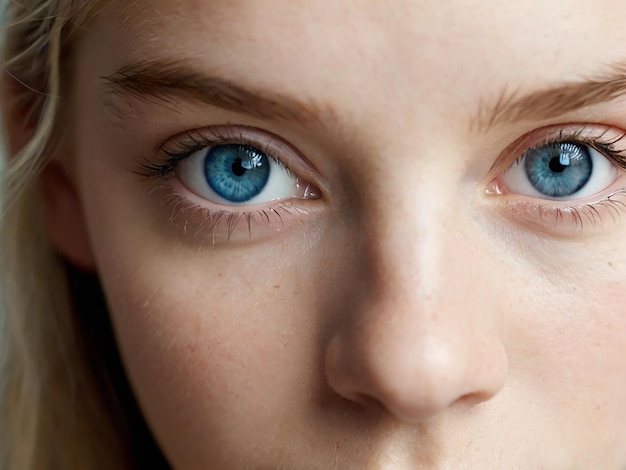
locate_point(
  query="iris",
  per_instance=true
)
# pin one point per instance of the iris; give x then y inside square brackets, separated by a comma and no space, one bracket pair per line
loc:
[559,169]
[236,172]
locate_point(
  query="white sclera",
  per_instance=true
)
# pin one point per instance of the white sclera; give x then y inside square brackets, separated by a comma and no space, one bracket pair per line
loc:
[281,184]
[603,173]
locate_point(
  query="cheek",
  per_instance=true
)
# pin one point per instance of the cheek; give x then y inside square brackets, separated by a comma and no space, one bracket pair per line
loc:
[210,339]
[566,341]
[221,343]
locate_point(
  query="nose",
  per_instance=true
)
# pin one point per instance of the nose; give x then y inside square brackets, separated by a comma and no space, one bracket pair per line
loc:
[421,334]
[414,377]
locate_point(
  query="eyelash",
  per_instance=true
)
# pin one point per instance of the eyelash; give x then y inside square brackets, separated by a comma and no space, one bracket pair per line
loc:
[582,213]
[605,147]
[178,149]
[196,141]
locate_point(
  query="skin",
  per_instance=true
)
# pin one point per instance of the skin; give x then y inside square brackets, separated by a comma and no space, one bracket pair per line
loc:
[412,316]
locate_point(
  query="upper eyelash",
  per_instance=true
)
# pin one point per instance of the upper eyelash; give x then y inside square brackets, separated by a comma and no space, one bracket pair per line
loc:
[197,141]
[169,158]
[605,147]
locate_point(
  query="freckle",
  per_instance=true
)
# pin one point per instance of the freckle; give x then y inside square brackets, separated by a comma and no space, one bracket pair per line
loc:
[219,274]
[610,264]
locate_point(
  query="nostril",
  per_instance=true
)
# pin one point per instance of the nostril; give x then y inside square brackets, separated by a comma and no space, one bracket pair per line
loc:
[472,399]
[368,402]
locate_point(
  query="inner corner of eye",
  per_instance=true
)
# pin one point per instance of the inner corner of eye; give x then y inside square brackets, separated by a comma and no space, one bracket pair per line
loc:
[308,191]
[494,187]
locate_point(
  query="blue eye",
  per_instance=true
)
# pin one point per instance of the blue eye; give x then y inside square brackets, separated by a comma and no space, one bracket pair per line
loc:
[560,170]
[236,174]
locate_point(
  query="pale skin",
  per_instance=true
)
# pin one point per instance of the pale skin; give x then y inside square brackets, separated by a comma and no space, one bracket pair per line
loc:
[415,311]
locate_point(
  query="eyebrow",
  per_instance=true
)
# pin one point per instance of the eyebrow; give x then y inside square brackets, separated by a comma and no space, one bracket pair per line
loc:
[552,102]
[169,80]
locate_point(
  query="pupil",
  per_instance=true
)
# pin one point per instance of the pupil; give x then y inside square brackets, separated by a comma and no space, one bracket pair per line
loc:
[556,166]
[237,168]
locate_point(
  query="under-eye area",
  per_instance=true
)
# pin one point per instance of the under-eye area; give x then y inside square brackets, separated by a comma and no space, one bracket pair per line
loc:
[204,225]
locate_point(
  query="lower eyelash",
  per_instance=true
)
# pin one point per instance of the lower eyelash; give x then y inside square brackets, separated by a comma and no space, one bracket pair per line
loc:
[579,215]
[198,221]
[614,207]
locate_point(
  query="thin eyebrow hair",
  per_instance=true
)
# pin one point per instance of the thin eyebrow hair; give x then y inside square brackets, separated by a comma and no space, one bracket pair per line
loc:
[169,79]
[552,102]
[166,80]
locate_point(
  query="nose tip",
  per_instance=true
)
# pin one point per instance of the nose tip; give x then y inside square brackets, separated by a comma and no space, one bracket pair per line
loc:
[415,381]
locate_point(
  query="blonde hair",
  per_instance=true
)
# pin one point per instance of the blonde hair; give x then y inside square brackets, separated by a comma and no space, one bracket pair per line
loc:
[54,412]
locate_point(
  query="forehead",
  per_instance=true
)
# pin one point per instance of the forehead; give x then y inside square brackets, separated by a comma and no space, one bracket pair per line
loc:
[447,56]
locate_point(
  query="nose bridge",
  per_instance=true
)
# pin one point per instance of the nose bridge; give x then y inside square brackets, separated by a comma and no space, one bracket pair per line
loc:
[417,229]
[424,252]
[425,281]
[421,336]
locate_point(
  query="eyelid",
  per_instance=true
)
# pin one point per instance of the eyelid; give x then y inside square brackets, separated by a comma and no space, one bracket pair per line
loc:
[272,145]
[601,137]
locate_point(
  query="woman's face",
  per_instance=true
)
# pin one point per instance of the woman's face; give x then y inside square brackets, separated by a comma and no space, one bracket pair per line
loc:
[362,234]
